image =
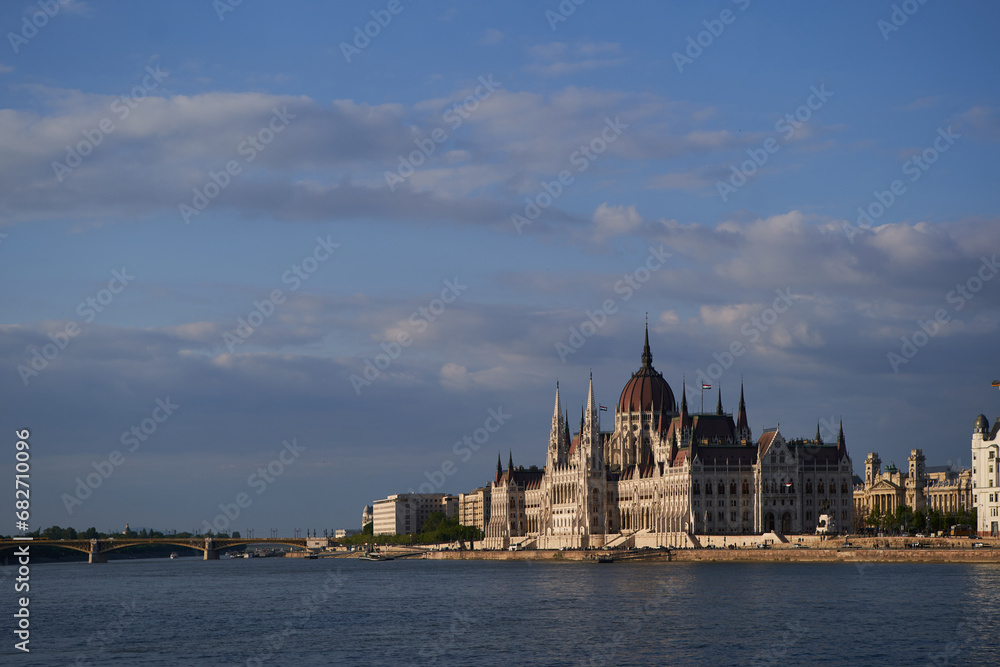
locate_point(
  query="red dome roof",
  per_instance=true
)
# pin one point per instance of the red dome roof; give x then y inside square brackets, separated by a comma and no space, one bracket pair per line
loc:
[647,390]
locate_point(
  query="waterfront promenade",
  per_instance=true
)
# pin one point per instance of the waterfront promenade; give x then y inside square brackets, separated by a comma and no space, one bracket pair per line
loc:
[875,550]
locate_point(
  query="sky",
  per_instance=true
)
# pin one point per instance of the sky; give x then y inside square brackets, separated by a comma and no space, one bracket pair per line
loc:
[264,263]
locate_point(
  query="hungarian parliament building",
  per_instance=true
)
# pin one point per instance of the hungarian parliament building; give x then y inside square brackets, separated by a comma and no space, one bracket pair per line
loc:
[665,475]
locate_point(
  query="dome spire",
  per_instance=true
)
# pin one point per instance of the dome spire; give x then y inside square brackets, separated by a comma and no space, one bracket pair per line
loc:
[718,406]
[647,356]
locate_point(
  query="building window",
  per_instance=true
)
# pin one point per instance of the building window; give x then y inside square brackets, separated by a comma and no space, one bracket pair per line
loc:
[746,487]
[819,487]
[708,488]
[809,486]
[732,487]
[697,488]
[722,487]
[722,516]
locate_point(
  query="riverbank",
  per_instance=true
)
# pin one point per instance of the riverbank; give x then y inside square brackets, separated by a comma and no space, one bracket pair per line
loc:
[856,550]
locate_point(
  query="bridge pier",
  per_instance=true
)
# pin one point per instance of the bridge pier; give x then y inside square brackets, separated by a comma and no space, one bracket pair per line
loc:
[211,553]
[96,556]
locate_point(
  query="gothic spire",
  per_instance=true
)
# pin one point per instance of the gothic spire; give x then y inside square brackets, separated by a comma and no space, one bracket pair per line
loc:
[718,406]
[510,464]
[647,356]
[840,435]
[819,438]
[742,423]
[499,469]
[684,397]
[557,413]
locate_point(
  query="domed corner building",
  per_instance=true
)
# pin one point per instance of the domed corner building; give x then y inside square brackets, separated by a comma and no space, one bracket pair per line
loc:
[664,475]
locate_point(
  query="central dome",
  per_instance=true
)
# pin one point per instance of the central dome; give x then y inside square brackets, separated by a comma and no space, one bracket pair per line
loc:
[647,391]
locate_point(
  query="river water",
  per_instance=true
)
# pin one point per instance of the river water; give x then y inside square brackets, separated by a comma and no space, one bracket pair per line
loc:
[348,612]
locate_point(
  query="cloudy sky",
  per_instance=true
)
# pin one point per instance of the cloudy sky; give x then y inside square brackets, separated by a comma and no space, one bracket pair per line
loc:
[216,216]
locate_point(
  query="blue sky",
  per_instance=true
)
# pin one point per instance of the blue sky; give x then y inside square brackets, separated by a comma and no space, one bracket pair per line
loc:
[734,170]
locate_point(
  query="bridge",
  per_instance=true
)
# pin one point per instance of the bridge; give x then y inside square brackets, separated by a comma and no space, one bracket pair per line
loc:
[98,549]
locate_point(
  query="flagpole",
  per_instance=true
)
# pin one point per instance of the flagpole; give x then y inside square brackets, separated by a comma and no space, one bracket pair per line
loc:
[702,398]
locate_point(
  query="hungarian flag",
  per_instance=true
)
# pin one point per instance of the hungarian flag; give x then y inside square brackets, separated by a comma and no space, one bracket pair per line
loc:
[705,386]
[603,409]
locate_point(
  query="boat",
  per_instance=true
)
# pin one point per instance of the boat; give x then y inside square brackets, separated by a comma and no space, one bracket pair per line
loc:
[375,554]
[173,555]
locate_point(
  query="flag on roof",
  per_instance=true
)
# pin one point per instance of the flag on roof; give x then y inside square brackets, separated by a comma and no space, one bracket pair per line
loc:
[603,408]
[705,386]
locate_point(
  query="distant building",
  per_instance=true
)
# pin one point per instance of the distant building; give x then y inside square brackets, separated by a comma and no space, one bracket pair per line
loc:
[920,488]
[342,532]
[366,516]
[474,508]
[404,513]
[665,473]
[986,475]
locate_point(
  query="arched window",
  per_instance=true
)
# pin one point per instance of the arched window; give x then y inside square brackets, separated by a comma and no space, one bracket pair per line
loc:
[843,487]
[708,488]
[722,488]
[819,486]
[732,487]
[774,487]
[809,486]
[697,488]
[746,487]
[782,487]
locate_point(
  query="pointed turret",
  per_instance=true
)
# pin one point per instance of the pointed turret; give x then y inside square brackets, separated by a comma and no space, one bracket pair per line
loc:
[684,399]
[647,356]
[557,413]
[557,445]
[840,436]
[496,480]
[742,423]
[510,467]
[819,438]
[590,433]
[718,406]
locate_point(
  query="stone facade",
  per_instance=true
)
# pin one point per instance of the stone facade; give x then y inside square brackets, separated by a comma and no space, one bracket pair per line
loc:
[920,488]
[664,474]
[986,475]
